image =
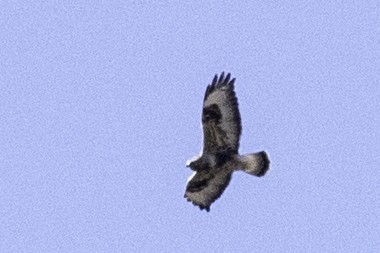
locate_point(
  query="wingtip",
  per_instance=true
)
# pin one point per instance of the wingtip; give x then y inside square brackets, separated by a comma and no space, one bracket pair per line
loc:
[223,80]
[201,207]
[207,208]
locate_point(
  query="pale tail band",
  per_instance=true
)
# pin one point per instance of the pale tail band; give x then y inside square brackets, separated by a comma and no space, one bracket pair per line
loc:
[256,164]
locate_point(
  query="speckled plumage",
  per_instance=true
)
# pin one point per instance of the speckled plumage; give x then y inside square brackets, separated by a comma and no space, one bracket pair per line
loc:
[220,158]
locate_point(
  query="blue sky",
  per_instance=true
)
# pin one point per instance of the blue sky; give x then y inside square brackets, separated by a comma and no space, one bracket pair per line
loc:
[101,107]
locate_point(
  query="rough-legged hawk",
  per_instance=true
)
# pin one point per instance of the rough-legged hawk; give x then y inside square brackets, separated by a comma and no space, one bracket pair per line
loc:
[220,157]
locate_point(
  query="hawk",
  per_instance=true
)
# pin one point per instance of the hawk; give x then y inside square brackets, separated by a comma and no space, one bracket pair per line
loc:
[220,157]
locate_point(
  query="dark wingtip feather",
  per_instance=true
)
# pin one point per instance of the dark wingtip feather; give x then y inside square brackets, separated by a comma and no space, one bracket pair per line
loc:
[215,80]
[221,78]
[207,208]
[185,196]
[232,82]
[227,79]
[219,82]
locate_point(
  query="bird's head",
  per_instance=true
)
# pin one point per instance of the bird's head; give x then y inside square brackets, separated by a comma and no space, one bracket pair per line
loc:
[192,164]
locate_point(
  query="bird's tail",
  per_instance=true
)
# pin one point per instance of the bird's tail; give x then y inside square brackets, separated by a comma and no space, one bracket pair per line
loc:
[256,164]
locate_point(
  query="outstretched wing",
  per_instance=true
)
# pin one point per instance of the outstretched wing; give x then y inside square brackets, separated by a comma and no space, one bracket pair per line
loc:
[220,117]
[205,187]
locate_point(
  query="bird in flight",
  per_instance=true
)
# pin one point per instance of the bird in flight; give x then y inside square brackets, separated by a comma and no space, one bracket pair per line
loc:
[220,157]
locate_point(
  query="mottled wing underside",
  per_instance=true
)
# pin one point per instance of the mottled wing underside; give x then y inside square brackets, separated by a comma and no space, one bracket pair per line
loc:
[205,187]
[220,117]
[222,129]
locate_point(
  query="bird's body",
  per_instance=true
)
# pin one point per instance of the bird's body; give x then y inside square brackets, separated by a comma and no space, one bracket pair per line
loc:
[220,157]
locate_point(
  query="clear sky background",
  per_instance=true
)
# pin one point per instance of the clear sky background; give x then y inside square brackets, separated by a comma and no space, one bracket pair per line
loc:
[100,108]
